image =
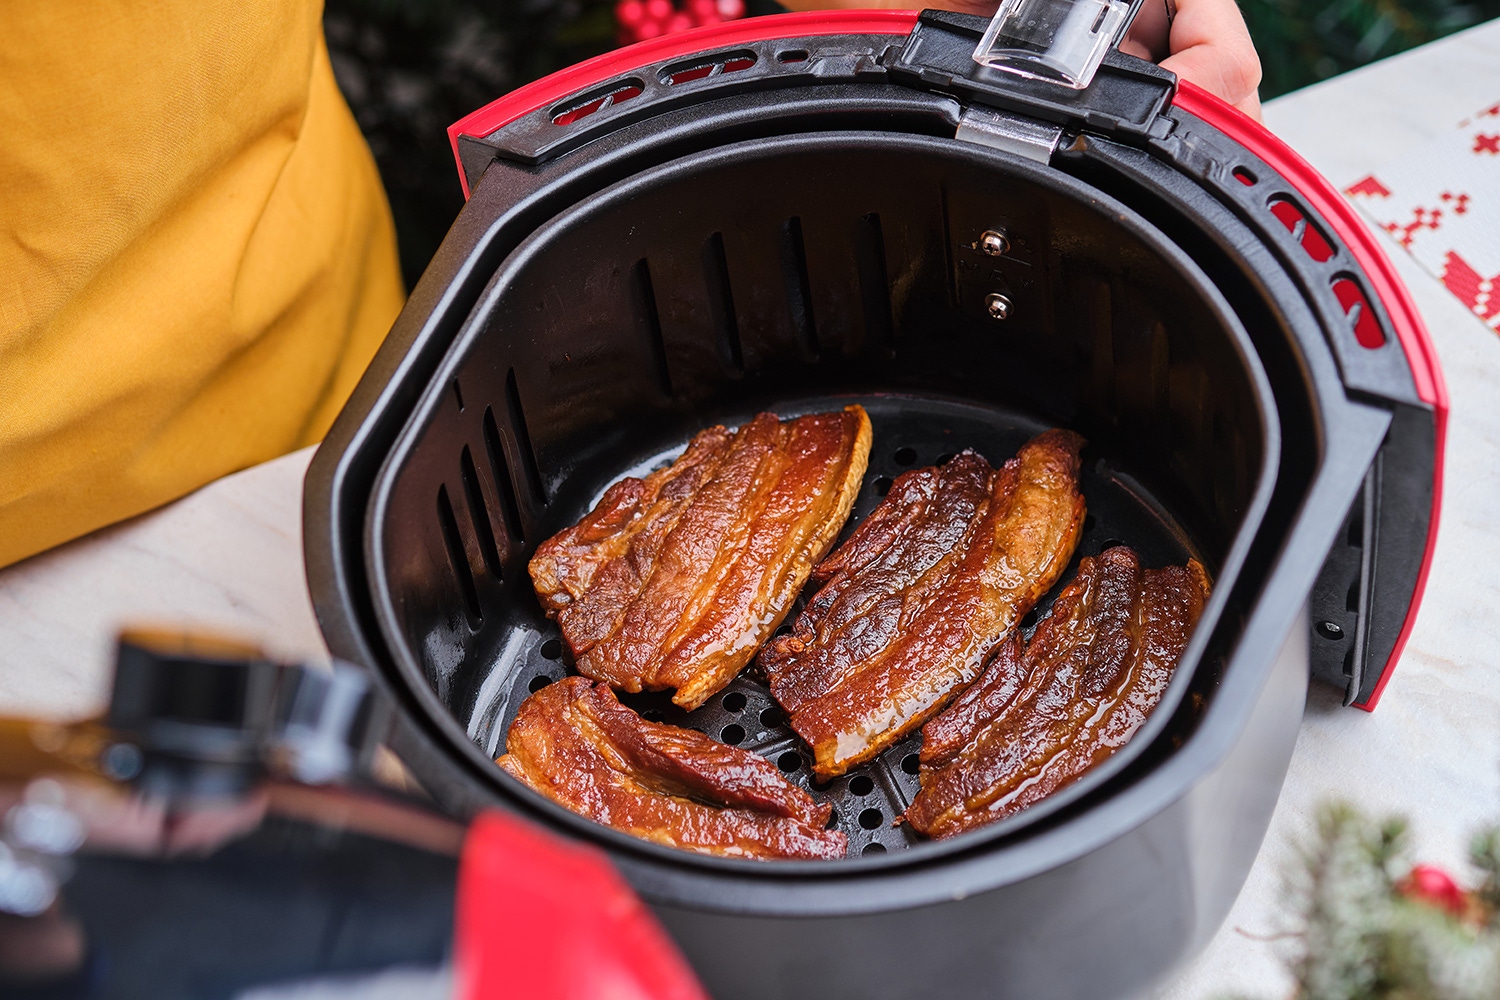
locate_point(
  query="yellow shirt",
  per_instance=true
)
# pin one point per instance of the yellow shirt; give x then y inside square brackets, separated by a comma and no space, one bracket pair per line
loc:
[197,260]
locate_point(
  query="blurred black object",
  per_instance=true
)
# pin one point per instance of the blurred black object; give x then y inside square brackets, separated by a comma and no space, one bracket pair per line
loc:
[411,68]
[210,834]
[294,899]
[196,715]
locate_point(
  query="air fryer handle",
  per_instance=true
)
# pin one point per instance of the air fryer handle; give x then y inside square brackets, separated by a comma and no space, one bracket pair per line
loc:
[1125,98]
[1057,41]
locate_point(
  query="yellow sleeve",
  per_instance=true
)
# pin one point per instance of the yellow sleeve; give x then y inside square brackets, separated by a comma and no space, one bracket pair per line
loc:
[197,260]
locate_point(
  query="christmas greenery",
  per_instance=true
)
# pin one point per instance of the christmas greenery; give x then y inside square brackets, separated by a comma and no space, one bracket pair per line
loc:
[411,68]
[1372,926]
[1302,42]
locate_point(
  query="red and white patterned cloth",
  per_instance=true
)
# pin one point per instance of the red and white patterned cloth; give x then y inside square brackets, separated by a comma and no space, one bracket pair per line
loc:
[1441,202]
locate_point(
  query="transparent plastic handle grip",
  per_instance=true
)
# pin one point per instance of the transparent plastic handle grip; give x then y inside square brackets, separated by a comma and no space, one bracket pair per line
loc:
[1060,41]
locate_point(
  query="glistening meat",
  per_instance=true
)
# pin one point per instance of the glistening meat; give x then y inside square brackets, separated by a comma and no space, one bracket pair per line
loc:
[1039,718]
[575,743]
[674,581]
[922,593]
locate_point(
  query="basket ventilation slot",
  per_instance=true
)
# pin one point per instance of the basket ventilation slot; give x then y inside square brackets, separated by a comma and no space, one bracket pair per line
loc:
[799,286]
[454,543]
[731,62]
[523,438]
[948,263]
[1357,309]
[1362,321]
[505,489]
[874,281]
[650,311]
[618,93]
[479,513]
[721,301]
[1312,241]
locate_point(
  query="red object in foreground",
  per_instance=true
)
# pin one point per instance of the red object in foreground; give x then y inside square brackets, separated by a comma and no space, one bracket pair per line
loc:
[550,920]
[1430,884]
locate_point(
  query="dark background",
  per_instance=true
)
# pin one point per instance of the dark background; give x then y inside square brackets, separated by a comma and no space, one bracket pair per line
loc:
[410,68]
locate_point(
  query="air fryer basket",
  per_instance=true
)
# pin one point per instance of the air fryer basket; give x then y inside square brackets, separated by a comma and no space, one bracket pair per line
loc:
[783,218]
[625,325]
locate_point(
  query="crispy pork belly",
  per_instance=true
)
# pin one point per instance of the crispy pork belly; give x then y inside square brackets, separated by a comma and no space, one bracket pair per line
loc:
[921,594]
[1039,718]
[674,581]
[574,742]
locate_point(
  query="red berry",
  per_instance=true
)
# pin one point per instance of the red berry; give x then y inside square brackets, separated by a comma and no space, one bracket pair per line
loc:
[704,11]
[1430,884]
[679,22]
[648,29]
[729,10]
[660,11]
[630,13]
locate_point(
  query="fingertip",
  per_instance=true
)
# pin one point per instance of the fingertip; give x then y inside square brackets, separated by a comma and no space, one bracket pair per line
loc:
[1232,76]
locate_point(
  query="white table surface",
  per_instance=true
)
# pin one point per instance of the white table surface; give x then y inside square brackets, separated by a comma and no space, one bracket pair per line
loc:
[229,557]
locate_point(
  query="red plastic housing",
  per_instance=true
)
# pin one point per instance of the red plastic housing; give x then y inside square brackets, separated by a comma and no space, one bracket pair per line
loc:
[545,918]
[1320,194]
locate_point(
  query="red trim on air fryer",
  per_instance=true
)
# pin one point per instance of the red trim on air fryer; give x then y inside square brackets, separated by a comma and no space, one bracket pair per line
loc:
[501,112]
[541,917]
[1421,355]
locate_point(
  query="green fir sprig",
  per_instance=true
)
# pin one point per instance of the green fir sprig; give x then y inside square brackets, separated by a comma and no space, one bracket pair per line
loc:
[1373,926]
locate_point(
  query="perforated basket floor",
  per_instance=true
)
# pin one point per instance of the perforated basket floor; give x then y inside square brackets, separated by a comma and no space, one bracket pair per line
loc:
[908,432]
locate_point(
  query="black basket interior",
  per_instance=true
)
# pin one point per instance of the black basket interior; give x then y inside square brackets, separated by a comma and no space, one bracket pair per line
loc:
[797,274]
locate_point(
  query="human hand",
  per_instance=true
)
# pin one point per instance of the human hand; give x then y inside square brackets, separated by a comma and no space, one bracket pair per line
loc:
[1206,42]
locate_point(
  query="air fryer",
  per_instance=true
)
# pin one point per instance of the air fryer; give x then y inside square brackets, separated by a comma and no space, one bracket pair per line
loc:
[799,212]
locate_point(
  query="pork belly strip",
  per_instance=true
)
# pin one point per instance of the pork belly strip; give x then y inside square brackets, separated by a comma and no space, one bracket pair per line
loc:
[574,742]
[922,593]
[674,581]
[1036,721]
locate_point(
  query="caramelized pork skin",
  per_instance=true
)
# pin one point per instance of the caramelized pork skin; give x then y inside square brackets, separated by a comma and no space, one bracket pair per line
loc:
[574,742]
[921,594]
[1038,719]
[675,580]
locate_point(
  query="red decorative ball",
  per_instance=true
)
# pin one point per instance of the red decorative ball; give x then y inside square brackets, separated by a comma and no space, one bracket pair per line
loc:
[630,13]
[639,20]
[1430,884]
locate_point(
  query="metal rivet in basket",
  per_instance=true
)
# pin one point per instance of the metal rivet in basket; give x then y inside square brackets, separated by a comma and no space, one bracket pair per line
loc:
[998,305]
[994,243]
